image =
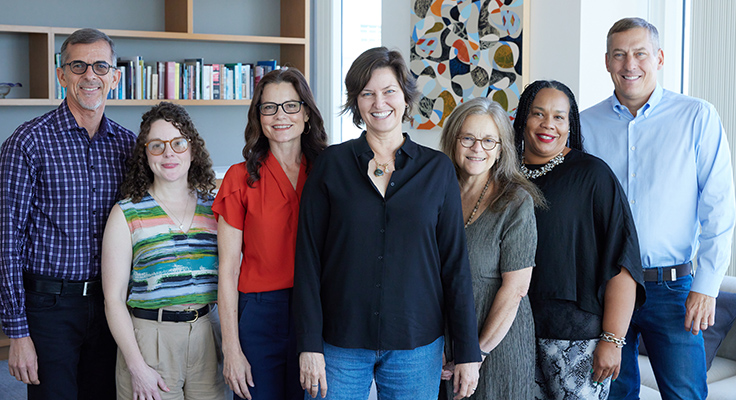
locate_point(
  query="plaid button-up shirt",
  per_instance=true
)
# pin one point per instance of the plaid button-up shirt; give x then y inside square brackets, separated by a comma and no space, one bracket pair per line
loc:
[57,186]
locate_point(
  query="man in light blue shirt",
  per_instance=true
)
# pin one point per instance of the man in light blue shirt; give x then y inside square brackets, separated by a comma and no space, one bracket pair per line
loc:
[670,153]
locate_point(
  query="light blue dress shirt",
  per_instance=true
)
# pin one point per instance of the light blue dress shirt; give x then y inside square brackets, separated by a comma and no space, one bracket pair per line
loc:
[674,164]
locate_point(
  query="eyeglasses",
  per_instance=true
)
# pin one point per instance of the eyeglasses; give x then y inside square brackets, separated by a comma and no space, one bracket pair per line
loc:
[156,147]
[469,141]
[80,67]
[289,107]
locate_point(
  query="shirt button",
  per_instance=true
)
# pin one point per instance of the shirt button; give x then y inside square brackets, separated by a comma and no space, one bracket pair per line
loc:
[94,190]
[380,257]
[392,183]
[92,167]
[378,285]
[383,230]
[633,175]
[94,212]
[633,201]
[633,148]
[375,313]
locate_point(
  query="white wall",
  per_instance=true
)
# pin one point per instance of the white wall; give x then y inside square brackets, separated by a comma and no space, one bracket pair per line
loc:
[568,43]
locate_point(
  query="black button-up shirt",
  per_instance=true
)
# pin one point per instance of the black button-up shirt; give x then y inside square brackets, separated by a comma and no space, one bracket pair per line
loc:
[382,273]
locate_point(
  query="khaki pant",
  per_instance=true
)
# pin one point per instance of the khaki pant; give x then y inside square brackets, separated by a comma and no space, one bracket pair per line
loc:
[186,355]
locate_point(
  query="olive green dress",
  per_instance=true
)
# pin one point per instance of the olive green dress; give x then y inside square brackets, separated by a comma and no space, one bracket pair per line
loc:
[501,242]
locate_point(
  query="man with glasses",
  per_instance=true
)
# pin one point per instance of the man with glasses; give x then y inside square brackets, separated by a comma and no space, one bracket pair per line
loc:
[60,175]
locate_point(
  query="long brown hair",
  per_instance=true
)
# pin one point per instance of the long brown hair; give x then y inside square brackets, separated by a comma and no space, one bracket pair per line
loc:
[313,139]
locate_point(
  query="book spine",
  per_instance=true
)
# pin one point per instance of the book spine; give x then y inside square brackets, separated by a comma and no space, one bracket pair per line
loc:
[170,80]
[149,84]
[139,78]
[161,71]
[154,86]
[215,81]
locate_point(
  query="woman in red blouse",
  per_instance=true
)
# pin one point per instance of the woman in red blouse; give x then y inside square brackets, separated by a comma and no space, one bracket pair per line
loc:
[258,208]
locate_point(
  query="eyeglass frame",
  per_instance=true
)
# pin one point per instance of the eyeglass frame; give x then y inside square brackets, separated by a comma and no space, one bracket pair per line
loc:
[495,142]
[169,143]
[260,109]
[87,65]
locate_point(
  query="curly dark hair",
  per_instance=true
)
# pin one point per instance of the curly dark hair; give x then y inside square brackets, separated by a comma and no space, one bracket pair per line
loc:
[575,138]
[139,177]
[313,140]
[361,71]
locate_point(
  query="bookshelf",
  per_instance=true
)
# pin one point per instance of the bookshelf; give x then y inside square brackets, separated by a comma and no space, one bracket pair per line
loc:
[293,44]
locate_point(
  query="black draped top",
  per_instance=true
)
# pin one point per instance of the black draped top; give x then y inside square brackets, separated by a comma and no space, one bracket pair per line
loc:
[585,236]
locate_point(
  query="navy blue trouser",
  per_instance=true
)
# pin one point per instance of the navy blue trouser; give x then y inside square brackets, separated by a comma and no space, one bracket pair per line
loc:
[268,340]
[76,352]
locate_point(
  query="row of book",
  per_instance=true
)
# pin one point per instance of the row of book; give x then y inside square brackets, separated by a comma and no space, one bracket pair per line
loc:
[188,80]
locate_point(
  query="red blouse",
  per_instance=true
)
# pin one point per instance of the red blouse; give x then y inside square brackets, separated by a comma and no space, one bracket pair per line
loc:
[267,214]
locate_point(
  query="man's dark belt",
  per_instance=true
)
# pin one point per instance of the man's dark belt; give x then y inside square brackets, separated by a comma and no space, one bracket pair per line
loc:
[668,273]
[171,316]
[63,287]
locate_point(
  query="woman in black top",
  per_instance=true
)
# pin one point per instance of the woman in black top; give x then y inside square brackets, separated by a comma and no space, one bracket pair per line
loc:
[381,255]
[588,277]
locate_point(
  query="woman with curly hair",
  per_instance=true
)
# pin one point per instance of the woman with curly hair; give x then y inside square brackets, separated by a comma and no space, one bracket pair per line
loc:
[257,208]
[159,258]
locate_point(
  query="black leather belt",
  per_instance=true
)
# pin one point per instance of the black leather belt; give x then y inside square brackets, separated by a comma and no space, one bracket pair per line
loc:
[63,287]
[171,316]
[668,273]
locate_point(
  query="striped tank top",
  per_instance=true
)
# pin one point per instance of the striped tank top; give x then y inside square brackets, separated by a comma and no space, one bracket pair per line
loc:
[171,267]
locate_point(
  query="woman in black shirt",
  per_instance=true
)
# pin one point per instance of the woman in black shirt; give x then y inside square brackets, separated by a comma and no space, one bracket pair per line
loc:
[381,253]
[588,277]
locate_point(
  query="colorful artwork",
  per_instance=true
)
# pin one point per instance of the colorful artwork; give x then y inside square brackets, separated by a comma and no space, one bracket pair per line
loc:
[463,49]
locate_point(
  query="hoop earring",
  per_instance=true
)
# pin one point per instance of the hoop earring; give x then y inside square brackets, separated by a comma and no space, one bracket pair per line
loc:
[309,128]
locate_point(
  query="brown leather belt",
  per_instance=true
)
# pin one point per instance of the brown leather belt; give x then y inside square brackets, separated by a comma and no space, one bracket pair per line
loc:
[668,273]
[171,316]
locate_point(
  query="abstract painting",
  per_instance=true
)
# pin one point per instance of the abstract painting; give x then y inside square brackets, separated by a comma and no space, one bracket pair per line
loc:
[463,49]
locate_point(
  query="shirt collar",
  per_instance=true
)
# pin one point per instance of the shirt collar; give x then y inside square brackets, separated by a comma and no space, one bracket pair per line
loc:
[409,147]
[67,122]
[646,109]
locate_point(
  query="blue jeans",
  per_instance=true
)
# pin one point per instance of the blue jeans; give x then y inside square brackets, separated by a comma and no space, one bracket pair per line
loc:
[399,374]
[676,355]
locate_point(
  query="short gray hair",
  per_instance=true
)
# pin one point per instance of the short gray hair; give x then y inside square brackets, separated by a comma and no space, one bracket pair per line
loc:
[626,24]
[87,36]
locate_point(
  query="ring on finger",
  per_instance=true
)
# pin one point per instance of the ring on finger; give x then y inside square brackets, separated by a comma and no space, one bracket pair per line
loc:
[315,385]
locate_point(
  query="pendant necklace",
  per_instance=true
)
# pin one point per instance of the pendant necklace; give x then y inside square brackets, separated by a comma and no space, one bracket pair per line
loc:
[171,214]
[533,174]
[381,168]
[477,204]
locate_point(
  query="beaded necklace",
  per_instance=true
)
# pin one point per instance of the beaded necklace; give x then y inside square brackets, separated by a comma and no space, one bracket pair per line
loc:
[477,204]
[534,174]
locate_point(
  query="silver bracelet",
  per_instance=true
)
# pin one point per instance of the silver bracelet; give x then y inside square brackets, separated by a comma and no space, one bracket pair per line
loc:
[611,338]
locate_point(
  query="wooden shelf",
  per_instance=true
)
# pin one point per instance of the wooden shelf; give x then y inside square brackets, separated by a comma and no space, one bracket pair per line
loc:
[114,102]
[179,17]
